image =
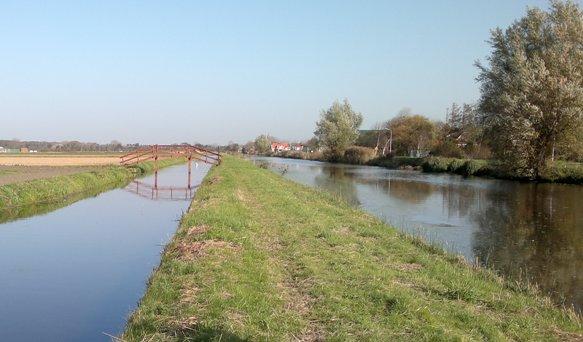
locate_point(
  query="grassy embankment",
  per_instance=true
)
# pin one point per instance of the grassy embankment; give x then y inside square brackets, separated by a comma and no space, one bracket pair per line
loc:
[60,187]
[558,172]
[260,257]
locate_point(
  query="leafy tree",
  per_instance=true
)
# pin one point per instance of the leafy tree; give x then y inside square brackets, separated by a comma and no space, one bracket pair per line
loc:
[532,89]
[338,128]
[262,144]
[412,134]
[311,144]
[461,134]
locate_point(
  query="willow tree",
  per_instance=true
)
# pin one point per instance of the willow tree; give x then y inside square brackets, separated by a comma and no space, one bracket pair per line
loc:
[532,87]
[338,128]
[262,144]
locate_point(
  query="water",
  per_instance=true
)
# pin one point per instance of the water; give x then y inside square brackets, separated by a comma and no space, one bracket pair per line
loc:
[525,231]
[76,273]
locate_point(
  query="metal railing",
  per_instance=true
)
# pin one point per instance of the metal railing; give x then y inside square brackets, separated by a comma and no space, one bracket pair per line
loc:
[156,152]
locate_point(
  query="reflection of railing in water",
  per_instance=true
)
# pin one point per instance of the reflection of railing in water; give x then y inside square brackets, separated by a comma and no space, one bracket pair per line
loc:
[169,193]
[155,152]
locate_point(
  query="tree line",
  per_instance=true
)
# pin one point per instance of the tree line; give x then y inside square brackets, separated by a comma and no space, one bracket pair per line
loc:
[529,114]
[68,146]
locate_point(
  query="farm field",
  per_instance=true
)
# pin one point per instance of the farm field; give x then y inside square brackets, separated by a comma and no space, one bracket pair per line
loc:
[16,173]
[16,168]
[42,159]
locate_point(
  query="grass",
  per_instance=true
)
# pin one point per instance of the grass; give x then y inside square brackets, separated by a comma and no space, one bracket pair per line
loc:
[60,187]
[258,257]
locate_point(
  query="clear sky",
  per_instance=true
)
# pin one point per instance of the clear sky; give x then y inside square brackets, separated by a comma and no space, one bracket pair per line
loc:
[215,71]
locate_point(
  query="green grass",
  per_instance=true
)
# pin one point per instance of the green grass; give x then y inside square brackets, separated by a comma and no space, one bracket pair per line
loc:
[58,188]
[258,257]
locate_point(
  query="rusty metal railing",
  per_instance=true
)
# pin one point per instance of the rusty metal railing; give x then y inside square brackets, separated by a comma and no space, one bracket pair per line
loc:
[156,152]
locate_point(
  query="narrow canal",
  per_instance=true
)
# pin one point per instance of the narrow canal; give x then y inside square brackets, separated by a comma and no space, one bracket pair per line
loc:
[522,230]
[76,273]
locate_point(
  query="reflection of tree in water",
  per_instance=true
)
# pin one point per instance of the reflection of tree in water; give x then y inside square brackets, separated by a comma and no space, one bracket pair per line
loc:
[461,200]
[410,191]
[337,180]
[535,231]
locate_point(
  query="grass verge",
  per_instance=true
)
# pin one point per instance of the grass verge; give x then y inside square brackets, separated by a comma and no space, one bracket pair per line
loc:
[60,187]
[258,257]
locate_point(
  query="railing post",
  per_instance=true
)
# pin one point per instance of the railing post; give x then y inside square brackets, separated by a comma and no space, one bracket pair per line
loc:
[189,169]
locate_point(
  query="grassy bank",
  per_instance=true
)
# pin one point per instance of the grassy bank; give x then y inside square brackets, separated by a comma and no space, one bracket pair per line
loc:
[558,172]
[60,187]
[262,258]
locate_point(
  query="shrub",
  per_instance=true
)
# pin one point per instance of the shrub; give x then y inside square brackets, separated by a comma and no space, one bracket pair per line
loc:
[564,172]
[358,155]
[473,167]
[456,165]
[396,162]
[436,164]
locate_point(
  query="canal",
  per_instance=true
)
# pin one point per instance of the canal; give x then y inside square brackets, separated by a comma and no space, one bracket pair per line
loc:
[76,273]
[524,231]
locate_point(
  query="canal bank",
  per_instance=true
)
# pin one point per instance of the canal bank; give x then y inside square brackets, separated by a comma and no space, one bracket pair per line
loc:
[75,272]
[260,257]
[53,189]
[524,231]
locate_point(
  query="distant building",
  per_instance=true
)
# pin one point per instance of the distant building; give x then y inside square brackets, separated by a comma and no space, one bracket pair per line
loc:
[297,147]
[24,150]
[279,146]
[2,149]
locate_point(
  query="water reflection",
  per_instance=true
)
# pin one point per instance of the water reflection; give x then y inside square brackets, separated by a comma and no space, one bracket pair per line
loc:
[523,230]
[21,212]
[534,231]
[169,193]
[75,274]
[337,181]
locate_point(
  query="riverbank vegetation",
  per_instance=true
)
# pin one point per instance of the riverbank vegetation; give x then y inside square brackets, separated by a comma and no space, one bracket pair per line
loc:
[258,257]
[527,123]
[60,187]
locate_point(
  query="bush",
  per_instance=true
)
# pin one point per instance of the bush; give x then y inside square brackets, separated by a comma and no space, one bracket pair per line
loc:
[396,162]
[436,164]
[473,167]
[358,155]
[564,172]
[456,165]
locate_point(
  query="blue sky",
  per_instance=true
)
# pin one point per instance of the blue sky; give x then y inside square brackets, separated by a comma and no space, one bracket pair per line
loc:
[187,71]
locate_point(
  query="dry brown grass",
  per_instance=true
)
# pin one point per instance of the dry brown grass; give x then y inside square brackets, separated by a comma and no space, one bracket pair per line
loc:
[58,160]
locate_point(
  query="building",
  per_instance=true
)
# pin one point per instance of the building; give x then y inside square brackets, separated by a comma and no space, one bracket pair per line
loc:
[279,147]
[297,147]
[24,150]
[3,150]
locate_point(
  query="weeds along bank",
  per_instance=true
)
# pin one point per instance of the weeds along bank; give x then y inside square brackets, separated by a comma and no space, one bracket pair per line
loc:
[559,172]
[60,187]
[259,257]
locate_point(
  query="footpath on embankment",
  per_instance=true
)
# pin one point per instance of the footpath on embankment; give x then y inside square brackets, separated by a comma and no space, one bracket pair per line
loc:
[258,257]
[59,188]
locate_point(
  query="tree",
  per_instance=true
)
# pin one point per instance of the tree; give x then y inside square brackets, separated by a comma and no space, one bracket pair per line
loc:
[338,128]
[262,144]
[461,134]
[532,89]
[412,134]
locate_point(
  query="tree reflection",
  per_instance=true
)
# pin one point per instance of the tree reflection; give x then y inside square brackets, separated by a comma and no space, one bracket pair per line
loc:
[336,180]
[535,232]
[410,191]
